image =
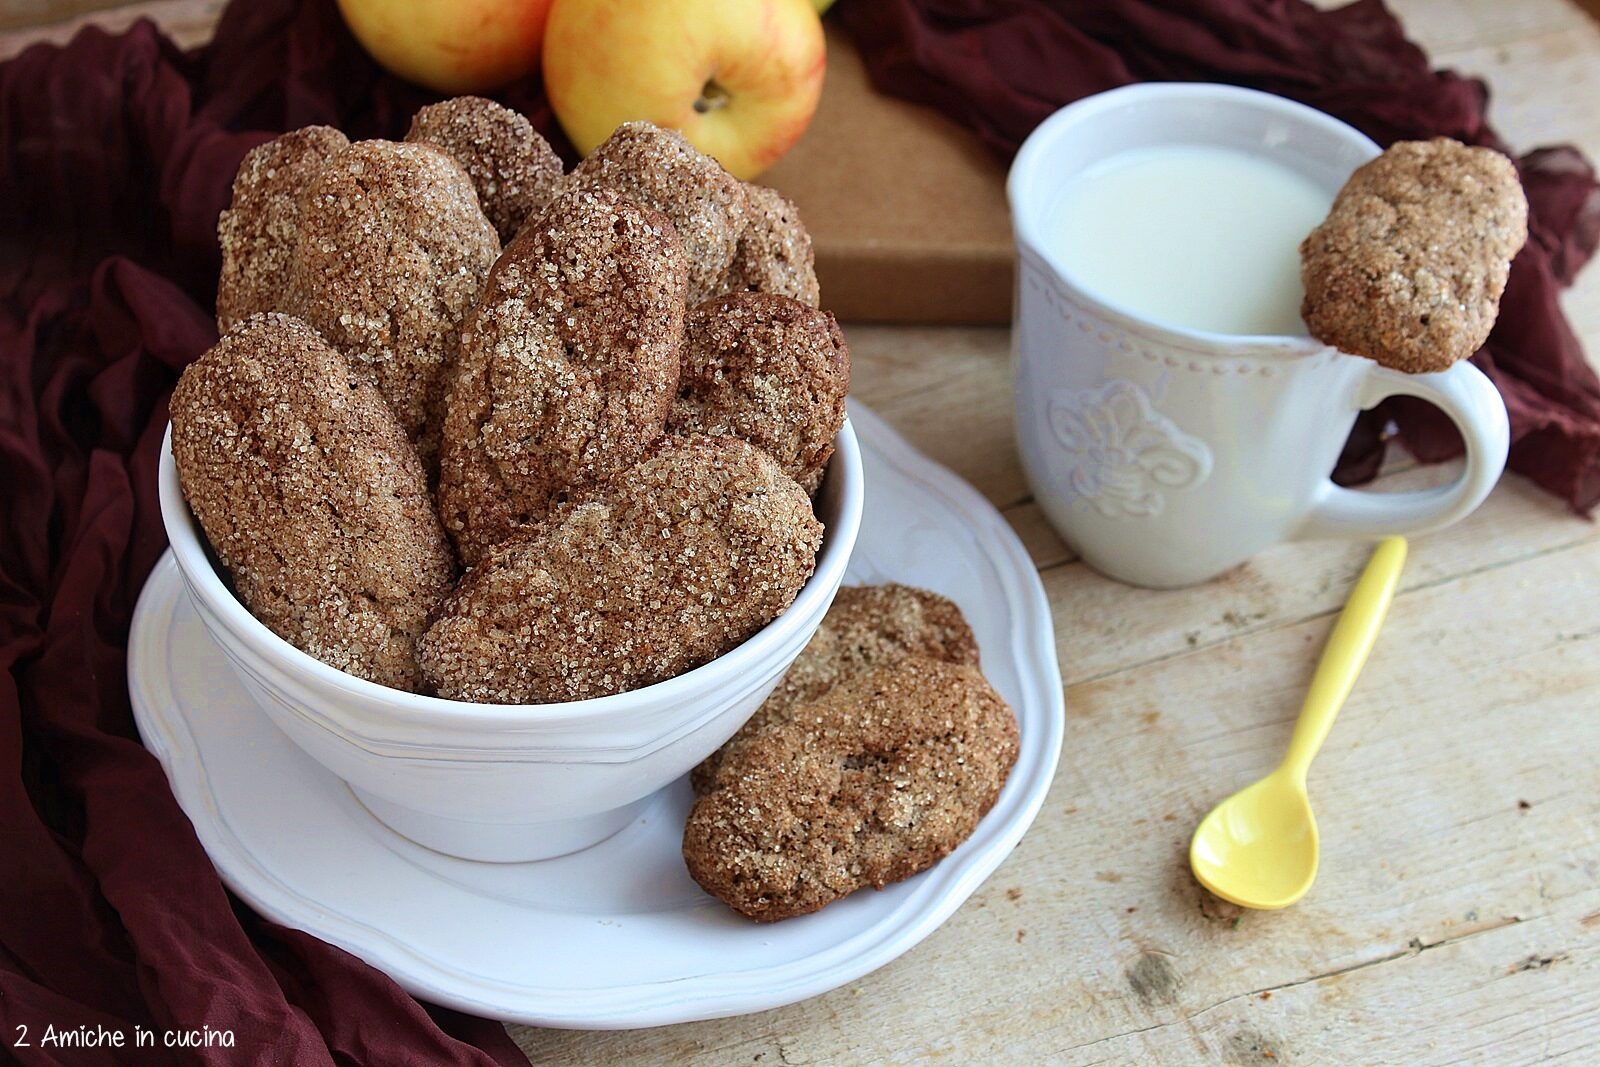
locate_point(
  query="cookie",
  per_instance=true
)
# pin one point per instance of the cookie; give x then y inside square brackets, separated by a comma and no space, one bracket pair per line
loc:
[669,565]
[513,169]
[1409,266]
[312,497]
[392,254]
[876,780]
[567,368]
[661,170]
[770,370]
[258,231]
[774,253]
[867,627]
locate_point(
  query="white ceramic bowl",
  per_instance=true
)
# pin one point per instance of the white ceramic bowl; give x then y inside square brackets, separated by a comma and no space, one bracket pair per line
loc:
[511,782]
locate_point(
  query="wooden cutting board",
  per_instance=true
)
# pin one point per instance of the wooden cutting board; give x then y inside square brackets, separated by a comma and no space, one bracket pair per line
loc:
[907,209]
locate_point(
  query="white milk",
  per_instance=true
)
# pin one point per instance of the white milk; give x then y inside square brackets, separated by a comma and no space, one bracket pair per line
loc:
[1191,235]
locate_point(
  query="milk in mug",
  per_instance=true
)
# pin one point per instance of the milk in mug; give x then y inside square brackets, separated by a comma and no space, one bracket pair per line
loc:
[1194,236]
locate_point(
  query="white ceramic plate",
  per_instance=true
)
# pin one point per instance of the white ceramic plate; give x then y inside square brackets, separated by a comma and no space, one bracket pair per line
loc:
[618,935]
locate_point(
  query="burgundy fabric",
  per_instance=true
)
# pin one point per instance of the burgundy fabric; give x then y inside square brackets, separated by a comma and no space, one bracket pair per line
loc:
[1001,66]
[116,154]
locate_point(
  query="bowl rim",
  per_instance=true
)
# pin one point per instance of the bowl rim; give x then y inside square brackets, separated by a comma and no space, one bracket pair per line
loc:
[738,663]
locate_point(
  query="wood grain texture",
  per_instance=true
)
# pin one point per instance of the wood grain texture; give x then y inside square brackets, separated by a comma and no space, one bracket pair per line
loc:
[1457,916]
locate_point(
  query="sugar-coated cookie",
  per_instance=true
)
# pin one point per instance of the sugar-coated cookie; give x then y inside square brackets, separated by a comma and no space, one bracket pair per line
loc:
[770,370]
[1409,266]
[261,226]
[661,170]
[774,253]
[879,778]
[663,568]
[393,252]
[867,627]
[567,368]
[312,497]
[513,168]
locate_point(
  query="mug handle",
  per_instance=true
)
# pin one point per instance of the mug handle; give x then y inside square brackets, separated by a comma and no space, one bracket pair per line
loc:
[1472,402]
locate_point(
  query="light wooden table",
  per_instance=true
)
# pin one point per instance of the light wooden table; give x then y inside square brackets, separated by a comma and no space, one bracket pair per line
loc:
[1457,916]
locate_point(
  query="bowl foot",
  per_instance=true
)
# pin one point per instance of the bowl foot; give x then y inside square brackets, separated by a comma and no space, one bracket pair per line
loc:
[495,842]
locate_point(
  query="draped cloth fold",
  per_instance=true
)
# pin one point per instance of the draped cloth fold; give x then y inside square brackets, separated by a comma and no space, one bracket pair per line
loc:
[116,155]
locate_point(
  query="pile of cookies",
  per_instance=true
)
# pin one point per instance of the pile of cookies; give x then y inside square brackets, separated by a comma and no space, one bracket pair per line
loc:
[613,424]
[481,428]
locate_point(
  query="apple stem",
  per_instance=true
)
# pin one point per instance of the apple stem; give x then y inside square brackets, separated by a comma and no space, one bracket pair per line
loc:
[712,97]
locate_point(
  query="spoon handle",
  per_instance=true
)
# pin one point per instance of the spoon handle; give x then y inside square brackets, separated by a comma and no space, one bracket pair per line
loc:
[1346,653]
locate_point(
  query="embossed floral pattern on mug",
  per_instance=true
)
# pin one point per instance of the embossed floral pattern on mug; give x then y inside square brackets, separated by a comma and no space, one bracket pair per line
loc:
[1122,455]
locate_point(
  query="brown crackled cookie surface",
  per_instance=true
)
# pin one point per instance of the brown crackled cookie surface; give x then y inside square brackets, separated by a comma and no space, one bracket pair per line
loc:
[770,370]
[513,168]
[567,367]
[260,228]
[312,497]
[393,252]
[774,252]
[1410,264]
[867,627]
[876,780]
[667,566]
[661,170]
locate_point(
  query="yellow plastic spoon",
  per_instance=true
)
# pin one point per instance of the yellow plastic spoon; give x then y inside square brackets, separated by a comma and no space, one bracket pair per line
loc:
[1259,847]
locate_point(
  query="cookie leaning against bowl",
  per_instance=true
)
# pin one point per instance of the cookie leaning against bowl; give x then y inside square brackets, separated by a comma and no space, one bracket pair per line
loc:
[567,367]
[665,567]
[877,780]
[258,231]
[513,169]
[770,370]
[312,497]
[867,627]
[392,254]
[1409,266]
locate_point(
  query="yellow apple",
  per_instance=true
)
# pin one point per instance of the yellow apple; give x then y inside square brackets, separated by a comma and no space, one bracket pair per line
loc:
[452,46]
[740,78]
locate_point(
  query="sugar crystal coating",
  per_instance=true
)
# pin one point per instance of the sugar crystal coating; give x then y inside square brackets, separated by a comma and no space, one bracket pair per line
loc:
[661,170]
[393,253]
[770,370]
[877,779]
[513,168]
[261,226]
[567,367]
[312,497]
[1409,266]
[774,252]
[665,567]
[867,627]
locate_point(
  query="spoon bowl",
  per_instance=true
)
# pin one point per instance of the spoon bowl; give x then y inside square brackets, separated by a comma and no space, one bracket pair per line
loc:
[1259,847]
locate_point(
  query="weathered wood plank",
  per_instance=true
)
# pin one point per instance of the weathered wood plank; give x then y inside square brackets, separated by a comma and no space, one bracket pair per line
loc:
[1103,627]
[1427,843]
[1445,28]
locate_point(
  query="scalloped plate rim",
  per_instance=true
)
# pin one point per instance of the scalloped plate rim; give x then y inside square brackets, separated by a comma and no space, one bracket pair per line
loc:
[939,892]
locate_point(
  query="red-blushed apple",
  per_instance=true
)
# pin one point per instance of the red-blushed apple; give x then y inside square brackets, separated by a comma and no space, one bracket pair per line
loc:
[740,78]
[452,46]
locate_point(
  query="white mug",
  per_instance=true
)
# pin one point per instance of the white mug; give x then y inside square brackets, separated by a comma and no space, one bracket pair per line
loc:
[1166,456]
